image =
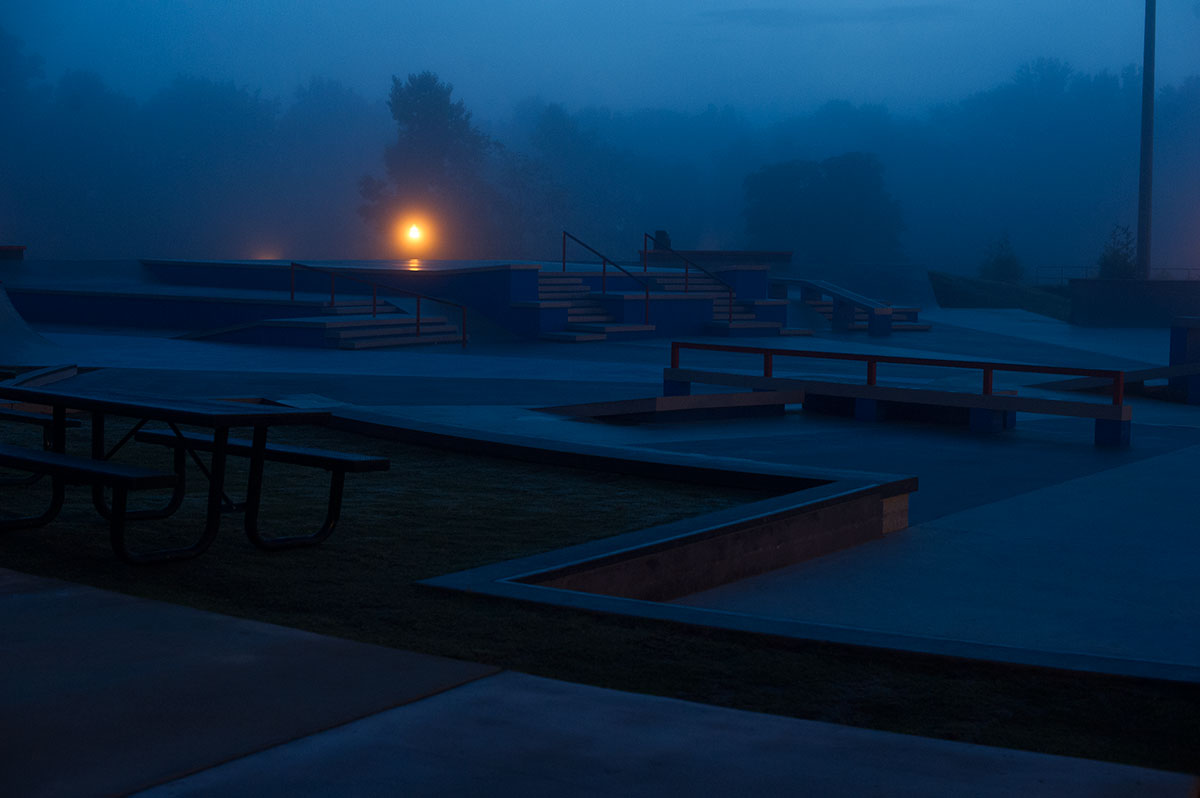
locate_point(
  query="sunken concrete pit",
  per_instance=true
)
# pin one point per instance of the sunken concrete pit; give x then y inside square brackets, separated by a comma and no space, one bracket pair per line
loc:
[818,512]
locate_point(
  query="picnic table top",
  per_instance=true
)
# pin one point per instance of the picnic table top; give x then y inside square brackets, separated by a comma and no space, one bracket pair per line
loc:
[201,412]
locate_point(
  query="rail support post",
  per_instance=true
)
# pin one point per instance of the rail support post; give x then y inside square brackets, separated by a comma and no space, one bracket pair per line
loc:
[1111,432]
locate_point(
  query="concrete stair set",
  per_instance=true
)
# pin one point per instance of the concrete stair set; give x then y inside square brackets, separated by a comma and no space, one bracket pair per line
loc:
[587,319]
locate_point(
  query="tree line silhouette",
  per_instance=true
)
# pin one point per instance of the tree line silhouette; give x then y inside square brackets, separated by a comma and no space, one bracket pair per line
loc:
[213,169]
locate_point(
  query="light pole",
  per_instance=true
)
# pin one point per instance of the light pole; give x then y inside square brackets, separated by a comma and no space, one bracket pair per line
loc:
[1146,172]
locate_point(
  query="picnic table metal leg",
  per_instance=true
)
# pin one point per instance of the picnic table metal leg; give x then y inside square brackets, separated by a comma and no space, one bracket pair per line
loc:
[57,495]
[212,517]
[100,502]
[58,443]
[254,498]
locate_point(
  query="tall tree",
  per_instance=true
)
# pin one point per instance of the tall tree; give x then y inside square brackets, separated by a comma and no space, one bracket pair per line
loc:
[437,166]
[831,212]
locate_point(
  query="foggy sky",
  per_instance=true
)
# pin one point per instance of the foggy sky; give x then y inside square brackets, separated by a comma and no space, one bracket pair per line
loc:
[763,58]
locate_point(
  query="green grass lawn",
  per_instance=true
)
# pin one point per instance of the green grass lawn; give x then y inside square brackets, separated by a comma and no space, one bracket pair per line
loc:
[436,512]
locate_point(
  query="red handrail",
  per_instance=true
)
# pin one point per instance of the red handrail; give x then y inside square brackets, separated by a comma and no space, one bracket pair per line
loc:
[872,361]
[687,263]
[604,261]
[333,275]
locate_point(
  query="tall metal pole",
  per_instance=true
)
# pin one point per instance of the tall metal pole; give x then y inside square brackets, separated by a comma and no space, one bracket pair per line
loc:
[1146,175]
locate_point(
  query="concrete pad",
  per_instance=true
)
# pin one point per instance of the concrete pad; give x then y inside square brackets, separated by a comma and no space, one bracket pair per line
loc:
[1077,568]
[514,734]
[105,693]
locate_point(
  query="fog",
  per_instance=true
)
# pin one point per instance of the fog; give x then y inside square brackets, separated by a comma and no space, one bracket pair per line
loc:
[896,136]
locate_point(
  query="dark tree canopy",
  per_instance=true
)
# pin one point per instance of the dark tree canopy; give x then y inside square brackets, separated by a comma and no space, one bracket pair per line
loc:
[831,212]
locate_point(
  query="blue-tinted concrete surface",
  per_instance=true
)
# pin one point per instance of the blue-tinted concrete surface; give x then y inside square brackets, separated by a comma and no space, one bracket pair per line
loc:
[520,735]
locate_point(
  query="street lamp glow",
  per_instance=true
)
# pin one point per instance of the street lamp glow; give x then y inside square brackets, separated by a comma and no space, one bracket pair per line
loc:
[414,233]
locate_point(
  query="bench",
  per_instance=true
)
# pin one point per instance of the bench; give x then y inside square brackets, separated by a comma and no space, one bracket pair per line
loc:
[337,463]
[70,470]
[991,412]
[46,422]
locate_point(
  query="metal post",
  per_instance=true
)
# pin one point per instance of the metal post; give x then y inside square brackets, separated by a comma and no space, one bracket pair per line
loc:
[564,251]
[332,295]
[872,367]
[768,365]
[373,301]
[1119,388]
[418,316]
[646,315]
[674,354]
[987,381]
[1146,170]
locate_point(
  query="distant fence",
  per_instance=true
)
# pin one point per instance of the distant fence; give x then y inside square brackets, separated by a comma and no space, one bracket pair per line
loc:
[1060,275]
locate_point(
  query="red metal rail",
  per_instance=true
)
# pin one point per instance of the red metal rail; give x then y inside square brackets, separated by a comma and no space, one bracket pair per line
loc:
[988,368]
[688,265]
[333,275]
[604,261]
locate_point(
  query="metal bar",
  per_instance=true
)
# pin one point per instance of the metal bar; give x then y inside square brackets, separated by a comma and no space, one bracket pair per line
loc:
[1119,388]
[564,251]
[332,294]
[418,317]
[872,371]
[646,315]
[674,354]
[1146,153]
[768,365]
[374,301]
[911,361]
[987,381]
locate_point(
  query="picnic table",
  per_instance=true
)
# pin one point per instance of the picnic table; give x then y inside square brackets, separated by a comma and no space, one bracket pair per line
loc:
[213,414]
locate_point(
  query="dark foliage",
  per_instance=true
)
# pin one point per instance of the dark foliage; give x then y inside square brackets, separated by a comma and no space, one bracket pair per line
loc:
[1001,262]
[835,211]
[1116,260]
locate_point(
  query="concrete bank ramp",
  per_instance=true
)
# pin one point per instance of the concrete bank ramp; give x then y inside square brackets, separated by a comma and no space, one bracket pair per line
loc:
[20,345]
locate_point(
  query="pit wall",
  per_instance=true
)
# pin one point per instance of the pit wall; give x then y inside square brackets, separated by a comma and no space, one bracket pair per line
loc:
[681,567]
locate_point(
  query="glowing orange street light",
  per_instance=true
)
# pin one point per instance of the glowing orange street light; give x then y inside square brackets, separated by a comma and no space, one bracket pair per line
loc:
[414,233]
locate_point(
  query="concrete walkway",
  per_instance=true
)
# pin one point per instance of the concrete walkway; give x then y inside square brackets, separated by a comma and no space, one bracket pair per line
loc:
[107,694]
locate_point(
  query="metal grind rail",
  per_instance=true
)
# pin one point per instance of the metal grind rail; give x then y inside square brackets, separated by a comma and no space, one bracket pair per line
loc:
[604,261]
[768,355]
[688,264]
[333,277]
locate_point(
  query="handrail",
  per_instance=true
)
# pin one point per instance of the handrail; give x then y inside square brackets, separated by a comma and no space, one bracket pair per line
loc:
[872,361]
[604,261]
[687,262]
[333,275]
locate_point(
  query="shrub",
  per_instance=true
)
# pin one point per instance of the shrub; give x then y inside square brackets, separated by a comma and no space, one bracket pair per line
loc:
[1001,262]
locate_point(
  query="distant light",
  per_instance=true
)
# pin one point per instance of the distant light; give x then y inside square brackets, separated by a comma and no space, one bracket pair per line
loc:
[414,233]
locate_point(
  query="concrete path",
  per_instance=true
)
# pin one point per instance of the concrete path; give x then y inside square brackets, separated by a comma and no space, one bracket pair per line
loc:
[107,694]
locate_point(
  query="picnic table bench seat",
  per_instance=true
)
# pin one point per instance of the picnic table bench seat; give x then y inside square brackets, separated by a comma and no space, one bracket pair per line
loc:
[338,464]
[71,470]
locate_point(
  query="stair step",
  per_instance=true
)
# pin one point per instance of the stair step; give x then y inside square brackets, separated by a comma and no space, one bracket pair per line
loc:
[363,333]
[794,331]
[398,321]
[573,337]
[355,309]
[609,327]
[403,340]
[723,316]
[583,318]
